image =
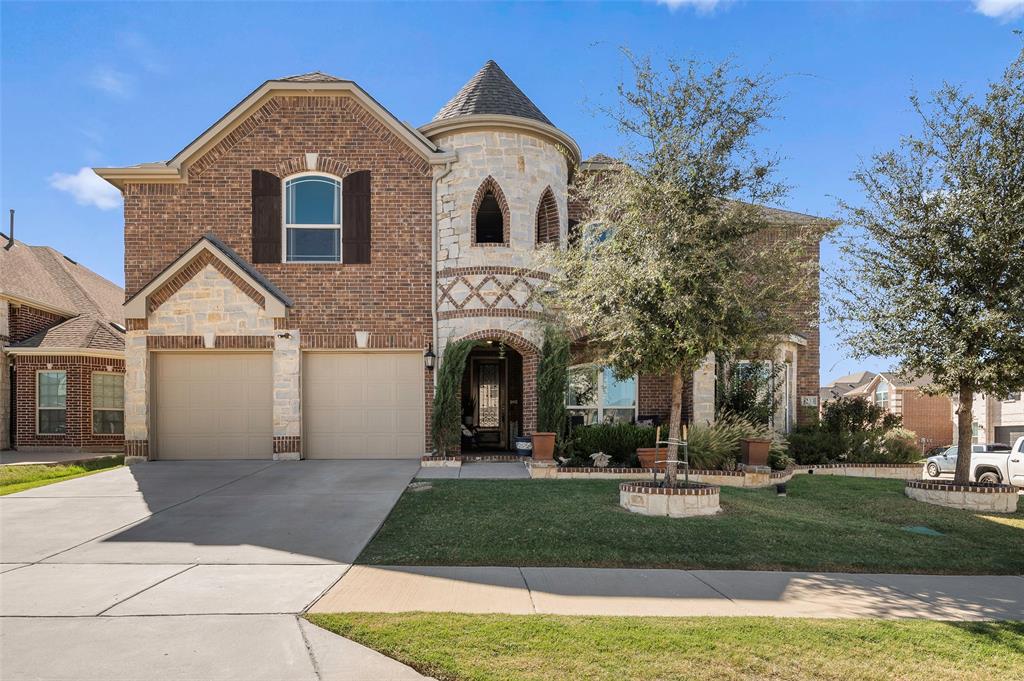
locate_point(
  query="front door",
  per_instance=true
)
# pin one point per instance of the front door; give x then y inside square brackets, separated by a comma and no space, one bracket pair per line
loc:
[491,412]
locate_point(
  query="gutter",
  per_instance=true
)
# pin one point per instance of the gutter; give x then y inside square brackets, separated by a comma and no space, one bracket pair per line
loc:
[433,253]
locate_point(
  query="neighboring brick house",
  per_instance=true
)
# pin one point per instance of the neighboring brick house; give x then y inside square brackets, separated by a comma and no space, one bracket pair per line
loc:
[61,353]
[929,416]
[288,270]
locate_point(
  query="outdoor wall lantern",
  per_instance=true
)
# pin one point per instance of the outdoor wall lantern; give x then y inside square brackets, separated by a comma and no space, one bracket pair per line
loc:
[429,357]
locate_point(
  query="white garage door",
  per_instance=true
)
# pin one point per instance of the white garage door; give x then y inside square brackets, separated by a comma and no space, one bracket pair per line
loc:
[363,405]
[213,405]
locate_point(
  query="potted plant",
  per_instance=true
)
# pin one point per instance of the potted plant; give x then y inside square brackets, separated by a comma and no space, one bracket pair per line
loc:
[552,382]
[649,456]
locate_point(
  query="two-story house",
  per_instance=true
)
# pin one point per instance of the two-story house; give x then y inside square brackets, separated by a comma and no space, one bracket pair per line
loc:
[290,272]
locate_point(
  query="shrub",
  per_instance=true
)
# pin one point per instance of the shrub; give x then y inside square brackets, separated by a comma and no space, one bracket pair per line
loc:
[883,442]
[717,446]
[446,421]
[552,383]
[618,440]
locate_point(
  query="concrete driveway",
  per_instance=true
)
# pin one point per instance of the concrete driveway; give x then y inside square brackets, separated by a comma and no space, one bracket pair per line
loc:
[189,570]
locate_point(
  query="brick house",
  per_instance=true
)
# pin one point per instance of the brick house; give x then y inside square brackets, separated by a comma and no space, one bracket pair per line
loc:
[929,416]
[288,270]
[61,353]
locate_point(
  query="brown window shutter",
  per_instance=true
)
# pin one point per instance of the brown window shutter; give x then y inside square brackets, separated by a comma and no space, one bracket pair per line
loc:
[266,217]
[355,217]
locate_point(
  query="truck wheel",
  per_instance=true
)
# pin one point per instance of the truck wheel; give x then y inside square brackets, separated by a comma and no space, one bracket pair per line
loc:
[933,470]
[989,478]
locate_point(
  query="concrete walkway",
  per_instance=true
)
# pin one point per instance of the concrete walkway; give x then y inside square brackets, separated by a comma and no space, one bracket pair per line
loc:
[675,593]
[189,570]
[476,471]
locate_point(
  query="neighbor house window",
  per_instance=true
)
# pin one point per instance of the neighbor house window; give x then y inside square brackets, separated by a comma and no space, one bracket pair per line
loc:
[312,219]
[107,403]
[882,395]
[51,402]
[598,397]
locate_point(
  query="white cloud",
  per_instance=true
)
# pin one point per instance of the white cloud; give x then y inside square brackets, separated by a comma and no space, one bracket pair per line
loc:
[1000,9]
[88,188]
[110,81]
[701,6]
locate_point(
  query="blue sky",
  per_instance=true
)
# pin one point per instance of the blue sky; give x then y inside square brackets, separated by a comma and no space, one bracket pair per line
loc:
[95,84]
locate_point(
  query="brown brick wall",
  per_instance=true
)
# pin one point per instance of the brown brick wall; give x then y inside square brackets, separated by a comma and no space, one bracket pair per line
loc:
[929,416]
[654,397]
[27,321]
[79,401]
[390,295]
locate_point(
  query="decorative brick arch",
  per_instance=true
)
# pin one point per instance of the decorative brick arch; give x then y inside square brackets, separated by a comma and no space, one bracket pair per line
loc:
[547,231]
[531,358]
[324,164]
[491,185]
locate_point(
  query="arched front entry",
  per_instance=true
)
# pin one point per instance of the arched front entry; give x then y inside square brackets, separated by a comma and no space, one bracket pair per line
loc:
[499,391]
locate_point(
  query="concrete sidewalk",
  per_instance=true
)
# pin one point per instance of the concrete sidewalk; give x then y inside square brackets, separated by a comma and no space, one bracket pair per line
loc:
[674,593]
[512,470]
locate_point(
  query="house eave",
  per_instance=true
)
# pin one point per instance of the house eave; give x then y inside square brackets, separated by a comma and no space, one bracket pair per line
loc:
[552,134]
[64,352]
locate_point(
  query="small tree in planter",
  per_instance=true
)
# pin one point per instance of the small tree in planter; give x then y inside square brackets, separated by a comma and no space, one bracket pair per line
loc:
[675,261]
[552,383]
[446,420]
[934,266]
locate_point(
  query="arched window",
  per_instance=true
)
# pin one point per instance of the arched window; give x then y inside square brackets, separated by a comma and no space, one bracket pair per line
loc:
[312,218]
[490,214]
[547,219]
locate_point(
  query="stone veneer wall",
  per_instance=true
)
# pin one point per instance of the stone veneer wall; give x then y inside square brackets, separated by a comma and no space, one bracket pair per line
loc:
[211,308]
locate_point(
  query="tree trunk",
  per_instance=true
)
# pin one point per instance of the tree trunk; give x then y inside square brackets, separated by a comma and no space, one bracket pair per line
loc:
[674,423]
[965,432]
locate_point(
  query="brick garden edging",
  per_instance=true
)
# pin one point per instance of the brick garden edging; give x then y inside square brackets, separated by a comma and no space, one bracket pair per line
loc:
[891,471]
[750,479]
[650,498]
[970,497]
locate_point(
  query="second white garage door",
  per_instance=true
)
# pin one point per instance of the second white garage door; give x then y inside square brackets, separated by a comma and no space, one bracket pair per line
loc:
[363,405]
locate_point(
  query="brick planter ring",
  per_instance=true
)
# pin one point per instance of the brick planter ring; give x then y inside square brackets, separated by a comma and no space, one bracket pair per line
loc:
[971,497]
[650,498]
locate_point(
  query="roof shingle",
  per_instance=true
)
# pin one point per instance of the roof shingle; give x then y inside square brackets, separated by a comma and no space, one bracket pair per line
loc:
[491,91]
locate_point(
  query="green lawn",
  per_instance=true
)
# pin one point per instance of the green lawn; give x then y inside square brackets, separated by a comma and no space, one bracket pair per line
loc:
[506,647]
[826,523]
[20,478]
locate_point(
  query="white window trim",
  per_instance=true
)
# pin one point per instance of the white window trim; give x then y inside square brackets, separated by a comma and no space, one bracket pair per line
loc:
[285,226]
[600,406]
[39,408]
[94,408]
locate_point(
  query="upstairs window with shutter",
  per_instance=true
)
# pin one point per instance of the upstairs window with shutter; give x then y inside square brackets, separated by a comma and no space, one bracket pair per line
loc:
[312,218]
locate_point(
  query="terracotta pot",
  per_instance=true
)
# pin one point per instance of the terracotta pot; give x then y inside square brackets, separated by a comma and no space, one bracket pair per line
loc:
[648,455]
[755,452]
[543,446]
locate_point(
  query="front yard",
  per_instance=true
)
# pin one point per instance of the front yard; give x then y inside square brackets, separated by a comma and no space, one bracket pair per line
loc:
[20,478]
[508,647]
[833,524]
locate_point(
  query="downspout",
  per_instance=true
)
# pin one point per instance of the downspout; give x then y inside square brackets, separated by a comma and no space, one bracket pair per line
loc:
[433,257]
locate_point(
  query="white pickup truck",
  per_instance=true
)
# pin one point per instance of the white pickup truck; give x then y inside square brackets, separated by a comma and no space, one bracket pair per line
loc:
[996,467]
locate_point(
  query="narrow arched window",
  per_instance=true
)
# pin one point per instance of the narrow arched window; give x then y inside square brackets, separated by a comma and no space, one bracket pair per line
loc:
[312,218]
[547,219]
[490,215]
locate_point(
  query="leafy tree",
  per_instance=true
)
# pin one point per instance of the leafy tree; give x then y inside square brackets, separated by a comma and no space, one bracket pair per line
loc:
[853,414]
[674,260]
[934,256]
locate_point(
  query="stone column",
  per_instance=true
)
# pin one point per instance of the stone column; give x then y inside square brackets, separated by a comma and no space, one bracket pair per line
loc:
[704,391]
[287,364]
[136,398]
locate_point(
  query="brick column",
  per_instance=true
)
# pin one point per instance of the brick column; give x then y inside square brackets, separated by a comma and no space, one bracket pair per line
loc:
[287,366]
[704,391]
[136,397]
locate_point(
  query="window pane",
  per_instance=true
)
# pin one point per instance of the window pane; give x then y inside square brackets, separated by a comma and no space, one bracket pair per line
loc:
[107,391]
[314,201]
[108,421]
[317,245]
[51,421]
[582,387]
[53,389]
[618,393]
[582,417]
[618,415]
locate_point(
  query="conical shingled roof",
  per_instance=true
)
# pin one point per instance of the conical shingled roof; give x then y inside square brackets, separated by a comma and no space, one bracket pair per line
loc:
[491,91]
